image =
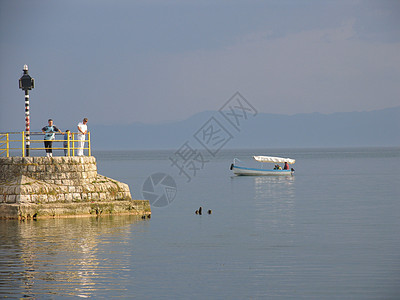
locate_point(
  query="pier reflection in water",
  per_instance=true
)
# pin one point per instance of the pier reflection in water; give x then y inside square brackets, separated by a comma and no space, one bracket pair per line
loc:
[63,256]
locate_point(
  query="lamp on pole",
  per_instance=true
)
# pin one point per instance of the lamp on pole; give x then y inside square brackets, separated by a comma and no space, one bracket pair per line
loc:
[26,83]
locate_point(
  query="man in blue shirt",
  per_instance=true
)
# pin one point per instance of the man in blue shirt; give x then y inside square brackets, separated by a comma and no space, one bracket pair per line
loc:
[49,135]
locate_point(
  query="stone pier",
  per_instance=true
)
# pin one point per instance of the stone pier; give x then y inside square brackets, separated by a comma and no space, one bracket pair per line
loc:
[39,187]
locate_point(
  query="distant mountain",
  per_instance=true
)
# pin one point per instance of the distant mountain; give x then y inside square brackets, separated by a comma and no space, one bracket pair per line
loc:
[352,129]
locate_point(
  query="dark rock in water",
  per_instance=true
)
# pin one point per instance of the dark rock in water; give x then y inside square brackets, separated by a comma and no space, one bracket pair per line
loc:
[209,211]
[146,216]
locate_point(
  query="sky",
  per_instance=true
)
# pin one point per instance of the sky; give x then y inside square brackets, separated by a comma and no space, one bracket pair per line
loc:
[153,61]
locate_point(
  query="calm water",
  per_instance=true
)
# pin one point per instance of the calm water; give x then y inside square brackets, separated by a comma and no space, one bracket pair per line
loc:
[332,231]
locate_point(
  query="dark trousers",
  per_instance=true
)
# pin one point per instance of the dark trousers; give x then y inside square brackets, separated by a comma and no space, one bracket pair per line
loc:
[49,146]
[66,149]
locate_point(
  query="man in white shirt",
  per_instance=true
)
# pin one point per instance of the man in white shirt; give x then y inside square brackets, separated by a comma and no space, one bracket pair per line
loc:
[82,131]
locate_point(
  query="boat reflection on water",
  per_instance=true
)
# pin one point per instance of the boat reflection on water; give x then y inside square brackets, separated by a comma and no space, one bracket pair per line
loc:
[271,187]
[61,256]
[275,202]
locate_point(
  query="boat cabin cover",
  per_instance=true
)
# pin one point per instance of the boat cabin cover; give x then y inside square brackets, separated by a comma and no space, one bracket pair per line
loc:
[272,159]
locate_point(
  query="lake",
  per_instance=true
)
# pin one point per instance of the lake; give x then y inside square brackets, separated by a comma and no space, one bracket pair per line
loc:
[331,231]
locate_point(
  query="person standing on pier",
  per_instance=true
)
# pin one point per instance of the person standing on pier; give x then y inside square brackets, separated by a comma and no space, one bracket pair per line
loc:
[67,137]
[82,131]
[49,136]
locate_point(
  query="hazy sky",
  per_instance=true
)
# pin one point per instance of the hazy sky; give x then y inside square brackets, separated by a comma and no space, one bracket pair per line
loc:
[125,61]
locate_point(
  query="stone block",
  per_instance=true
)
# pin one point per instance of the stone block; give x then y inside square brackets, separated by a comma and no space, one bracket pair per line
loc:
[87,188]
[50,169]
[27,160]
[17,190]
[10,198]
[17,160]
[60,197]
[75,182]
[63,189]
[69,175]
[53,198]
[7,190]
[34,198]
[46,161]
[40,168]
[42,198]
[124,195]
[41,189]
[103,187]
[23,199]
[26,189]
[31,168]
[68,197]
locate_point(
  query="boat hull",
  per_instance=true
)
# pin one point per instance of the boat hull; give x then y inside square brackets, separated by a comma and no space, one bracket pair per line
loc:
[242,171]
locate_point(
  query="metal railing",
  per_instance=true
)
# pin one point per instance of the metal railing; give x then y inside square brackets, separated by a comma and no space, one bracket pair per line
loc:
[15,141]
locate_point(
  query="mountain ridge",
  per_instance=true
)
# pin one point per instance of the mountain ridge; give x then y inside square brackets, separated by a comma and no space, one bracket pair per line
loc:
[341,129]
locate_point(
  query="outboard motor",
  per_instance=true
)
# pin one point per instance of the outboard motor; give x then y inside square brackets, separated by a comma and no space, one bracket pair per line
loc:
[231,167]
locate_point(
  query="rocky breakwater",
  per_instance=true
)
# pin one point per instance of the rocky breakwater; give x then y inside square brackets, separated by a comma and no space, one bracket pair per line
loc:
[39,187]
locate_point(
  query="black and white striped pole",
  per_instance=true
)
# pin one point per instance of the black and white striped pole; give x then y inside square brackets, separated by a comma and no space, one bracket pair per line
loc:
[27,83]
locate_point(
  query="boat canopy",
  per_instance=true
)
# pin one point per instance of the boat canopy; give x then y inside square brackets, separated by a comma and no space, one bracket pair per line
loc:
[273,159]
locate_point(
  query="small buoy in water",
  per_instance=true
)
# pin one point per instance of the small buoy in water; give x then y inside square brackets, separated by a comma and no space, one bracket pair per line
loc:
[209,211]
[200,210]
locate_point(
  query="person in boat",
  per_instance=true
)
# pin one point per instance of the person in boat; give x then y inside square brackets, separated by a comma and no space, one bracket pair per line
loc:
[286,167]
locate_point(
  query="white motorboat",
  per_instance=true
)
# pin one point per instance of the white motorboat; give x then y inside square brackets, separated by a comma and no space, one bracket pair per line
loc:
[277,170]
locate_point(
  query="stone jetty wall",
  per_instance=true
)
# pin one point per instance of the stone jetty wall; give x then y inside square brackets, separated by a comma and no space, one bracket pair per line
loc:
[34,187]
